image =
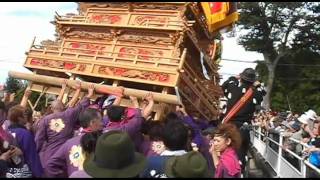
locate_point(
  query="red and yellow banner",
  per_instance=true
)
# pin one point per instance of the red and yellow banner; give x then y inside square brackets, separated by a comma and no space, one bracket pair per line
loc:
[220,14]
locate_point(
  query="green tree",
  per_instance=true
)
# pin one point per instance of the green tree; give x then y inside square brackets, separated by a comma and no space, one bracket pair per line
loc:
[297,82]
[13,85]
[18,87]
[278,29]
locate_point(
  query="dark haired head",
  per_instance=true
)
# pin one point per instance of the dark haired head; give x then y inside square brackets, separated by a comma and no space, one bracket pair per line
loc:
[10,105]
[116,113]
[28,114]
[88,141]
[89,115]
[2,106]
[16,115]
[229,130]
[155,130]
[175,136]
[171,117]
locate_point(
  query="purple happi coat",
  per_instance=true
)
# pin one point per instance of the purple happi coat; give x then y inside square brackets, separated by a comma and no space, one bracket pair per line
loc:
[201,142]
[67,159]
[55,129]
[80,174]
[25,141]
[131,125]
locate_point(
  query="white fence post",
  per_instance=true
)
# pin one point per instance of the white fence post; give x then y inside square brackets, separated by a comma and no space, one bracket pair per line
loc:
[303,165]
[275,159]
[279,154]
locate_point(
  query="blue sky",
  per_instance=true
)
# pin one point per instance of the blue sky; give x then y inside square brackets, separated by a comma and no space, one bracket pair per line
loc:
[22,21]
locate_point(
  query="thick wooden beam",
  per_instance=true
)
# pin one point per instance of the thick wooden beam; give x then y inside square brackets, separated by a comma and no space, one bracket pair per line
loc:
[102,89]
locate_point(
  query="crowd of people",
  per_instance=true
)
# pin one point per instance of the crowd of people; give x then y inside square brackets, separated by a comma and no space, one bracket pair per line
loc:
[87,137]
[293,128]
[100,138]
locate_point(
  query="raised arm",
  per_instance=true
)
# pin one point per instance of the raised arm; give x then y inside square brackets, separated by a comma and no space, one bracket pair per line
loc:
[90,91]
[147,110]
[134,101]
[186,118]
[75,97]
[25,97]
[63,88]
[118,98]
[73,112]
[214,155]
[12,96]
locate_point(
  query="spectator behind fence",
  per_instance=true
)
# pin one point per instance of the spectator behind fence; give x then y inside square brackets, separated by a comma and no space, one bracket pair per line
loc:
[311,116]
[314,152]
[226,141]
[315,130]
[304,128]
[274,132]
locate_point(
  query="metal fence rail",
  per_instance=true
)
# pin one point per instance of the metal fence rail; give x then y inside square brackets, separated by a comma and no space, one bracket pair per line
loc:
[281,166]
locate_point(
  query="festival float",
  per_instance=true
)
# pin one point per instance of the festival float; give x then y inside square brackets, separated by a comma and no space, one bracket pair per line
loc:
[171,49]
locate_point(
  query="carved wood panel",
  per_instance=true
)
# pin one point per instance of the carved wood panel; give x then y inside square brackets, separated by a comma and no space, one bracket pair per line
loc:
[134,74]
[87,34]
[115,19]
[149,19]
[56,64]
[125,50]
[86,48]
[147,38]
[155,21]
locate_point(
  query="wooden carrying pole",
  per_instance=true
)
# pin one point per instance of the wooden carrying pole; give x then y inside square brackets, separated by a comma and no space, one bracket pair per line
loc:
[102,89]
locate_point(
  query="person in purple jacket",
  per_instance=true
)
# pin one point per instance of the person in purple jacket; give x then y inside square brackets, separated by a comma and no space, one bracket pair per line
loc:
[25,139]
[152,144]
[88,144]
[56,128]
[128,119]
[69,158]
[199,142]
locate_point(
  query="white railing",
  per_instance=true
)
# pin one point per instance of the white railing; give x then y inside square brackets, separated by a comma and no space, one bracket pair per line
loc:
[279,164]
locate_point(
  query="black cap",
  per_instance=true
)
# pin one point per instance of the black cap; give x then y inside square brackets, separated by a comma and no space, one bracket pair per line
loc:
[249,75]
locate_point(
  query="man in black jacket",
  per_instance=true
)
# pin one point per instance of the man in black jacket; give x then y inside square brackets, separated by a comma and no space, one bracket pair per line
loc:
[234,88]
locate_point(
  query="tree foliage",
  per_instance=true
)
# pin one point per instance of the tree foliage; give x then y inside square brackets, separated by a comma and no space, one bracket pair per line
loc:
[18,87]
[296,83]
[13,85]
[279,30]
